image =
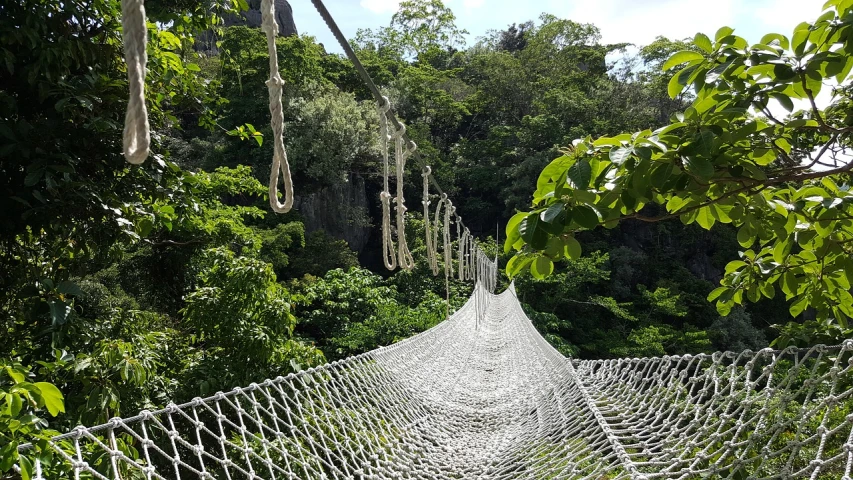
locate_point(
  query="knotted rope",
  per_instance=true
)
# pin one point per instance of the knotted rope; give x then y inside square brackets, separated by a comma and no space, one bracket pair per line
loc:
[404,256]
[275,84]
[137,132]
[441,201]
[389,254]
[463,237]
[432,254]
[469,257]
[448,252]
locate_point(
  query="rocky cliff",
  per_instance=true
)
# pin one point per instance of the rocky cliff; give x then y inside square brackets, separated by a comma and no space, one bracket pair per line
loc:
[206,42]
[341,210]
[252,17]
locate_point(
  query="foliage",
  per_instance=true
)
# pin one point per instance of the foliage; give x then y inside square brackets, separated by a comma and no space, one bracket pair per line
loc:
[417,27]
[245,334]
[781,180]
[425,24]
[130,287]
[355,311]
[22,411]
[319,254]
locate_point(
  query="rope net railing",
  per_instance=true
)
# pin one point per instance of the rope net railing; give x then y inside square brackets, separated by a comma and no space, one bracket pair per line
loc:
[483,395]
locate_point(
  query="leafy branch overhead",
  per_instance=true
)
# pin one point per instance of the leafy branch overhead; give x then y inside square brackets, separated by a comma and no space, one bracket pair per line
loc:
[756,149]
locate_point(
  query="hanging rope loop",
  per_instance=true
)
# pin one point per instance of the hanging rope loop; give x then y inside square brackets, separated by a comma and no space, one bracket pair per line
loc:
[136,138]
[275,85]
[449,211]
[432,257]
[389,253]
[404,256]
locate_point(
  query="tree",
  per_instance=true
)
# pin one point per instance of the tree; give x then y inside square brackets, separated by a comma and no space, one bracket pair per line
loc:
[731,157]
[418,27]
[68,195]
[425,24]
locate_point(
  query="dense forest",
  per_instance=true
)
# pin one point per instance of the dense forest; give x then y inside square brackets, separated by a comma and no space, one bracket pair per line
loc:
[125,287]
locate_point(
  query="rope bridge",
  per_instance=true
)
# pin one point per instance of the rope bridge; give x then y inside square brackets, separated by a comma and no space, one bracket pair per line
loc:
[484,396]
[481,395]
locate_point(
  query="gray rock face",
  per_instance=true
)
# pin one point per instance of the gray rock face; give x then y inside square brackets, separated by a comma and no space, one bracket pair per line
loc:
[252,17]
[341,210]
[206,41]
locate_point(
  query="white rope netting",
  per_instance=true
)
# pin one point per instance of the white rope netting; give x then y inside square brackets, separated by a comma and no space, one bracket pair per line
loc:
[484,396]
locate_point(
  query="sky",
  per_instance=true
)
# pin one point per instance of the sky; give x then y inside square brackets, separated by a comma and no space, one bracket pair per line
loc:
[631,21]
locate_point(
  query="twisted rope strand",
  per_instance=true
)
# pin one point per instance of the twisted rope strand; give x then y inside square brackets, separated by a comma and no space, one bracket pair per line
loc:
[136,138]
[389,253]
[401,154]
[275,85]
[432,257]
[437,222]
[449,211]
[463,237]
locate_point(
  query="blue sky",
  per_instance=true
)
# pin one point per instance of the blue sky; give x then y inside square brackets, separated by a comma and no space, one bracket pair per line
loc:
[633,21]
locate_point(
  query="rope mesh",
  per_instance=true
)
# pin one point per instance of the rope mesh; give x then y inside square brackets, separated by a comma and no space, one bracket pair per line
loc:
[483,395]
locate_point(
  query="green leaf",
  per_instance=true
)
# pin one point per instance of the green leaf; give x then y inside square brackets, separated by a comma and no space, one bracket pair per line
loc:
[703,142]
[512,233]
[620,155]
[798,306]
[705,218]
[531,233]
[68,287]
[683,56]
[580,174]
[585,216]
[53,399]
[26,467]
[745,237]
[715,293]
[661,174]
[800,37]
[675,86]
[573,248]
[702,41]
[700,167]
[542,267]
[790,283]
[552,213]
[554,170]
[784,100]
[775,37]
[516,264]
[724,32]
[782,249]
[724,308]
[59,311]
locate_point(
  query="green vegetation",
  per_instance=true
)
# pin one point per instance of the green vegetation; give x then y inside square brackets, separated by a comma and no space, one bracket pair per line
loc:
[127,287]
[782,180]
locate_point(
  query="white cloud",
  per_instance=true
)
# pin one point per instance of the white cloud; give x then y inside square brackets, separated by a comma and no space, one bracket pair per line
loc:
[381,6]
[641,21]
[781,16]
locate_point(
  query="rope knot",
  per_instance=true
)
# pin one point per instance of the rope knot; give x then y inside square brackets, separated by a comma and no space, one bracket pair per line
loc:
[398,133]
[275,81]
[384,106]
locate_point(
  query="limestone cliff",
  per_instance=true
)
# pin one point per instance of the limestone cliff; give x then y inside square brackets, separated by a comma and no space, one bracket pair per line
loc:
[342,210]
